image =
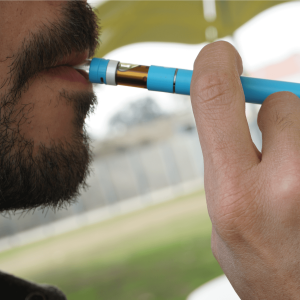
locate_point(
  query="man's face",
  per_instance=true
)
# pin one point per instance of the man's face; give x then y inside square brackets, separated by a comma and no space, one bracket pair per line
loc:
[44,153]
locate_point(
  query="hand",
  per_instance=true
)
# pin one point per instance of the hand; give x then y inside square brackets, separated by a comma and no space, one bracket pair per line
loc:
[253,198]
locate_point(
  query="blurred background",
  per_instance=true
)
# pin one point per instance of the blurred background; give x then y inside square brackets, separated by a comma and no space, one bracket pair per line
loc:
[141,231]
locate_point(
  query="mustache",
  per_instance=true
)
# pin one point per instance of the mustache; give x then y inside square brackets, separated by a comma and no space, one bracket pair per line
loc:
[76,30]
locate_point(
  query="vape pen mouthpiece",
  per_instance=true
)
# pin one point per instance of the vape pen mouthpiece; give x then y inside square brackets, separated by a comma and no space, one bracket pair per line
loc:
[85,66]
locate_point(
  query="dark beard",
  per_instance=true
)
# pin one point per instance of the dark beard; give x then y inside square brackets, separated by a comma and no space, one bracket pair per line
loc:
[54,175]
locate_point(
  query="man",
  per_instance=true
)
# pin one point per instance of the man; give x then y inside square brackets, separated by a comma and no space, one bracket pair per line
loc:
[44,152]
[252,197]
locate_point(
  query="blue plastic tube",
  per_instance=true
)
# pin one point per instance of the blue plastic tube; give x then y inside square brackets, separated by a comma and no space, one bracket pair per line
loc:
[178,81]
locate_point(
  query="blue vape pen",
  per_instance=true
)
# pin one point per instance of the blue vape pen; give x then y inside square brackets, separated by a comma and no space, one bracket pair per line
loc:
[172,80]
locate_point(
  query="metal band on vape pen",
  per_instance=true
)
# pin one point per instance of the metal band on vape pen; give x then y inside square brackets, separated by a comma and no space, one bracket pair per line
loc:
[174,81]
[111,72]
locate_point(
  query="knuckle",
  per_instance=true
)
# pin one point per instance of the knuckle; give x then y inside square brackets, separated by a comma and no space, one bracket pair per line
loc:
[286,192]
[282,120]
[286,186]
[215,88]
[278,108]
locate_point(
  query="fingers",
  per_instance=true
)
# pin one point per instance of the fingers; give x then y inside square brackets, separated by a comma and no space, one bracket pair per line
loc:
[279,122]
[219,108]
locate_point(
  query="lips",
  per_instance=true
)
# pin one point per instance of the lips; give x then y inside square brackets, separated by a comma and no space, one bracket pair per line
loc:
[74,59]
[64,70]
[67,73]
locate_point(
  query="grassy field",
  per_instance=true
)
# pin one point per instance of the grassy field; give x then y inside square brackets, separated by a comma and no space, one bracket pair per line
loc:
[162,252]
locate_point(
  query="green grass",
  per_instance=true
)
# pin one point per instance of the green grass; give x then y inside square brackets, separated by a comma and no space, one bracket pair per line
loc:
[161,259]
[169,272]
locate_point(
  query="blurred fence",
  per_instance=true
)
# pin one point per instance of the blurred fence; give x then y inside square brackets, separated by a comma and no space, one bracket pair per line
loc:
[119,183]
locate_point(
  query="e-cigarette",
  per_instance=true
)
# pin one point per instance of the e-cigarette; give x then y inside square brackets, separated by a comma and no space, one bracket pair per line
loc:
[172,80]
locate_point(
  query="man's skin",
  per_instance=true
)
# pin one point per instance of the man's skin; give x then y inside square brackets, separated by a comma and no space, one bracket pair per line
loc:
[252,197]
[44,153]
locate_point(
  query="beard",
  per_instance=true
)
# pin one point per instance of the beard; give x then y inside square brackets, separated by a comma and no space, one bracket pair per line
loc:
[54,174]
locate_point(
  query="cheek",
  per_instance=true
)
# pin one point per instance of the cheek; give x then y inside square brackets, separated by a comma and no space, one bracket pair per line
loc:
[46,118]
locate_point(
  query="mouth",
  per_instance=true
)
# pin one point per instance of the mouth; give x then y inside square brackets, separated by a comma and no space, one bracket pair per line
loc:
[64,70]
[74,59]
[68,73]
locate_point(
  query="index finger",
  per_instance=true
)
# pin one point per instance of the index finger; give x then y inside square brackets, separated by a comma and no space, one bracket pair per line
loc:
[219,108]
